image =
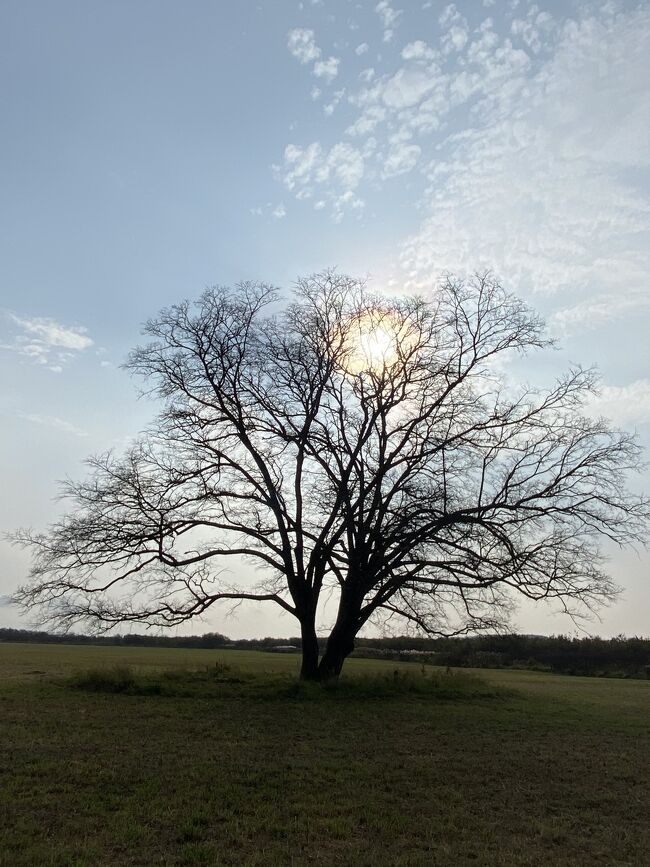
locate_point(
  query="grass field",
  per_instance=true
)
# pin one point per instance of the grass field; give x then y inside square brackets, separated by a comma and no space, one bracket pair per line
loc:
[550,770]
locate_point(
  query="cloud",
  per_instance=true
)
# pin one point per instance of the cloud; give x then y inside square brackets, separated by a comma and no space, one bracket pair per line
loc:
[302,44]
[337,172]
[624,404]
[418,50]
[361,49]
[300,164]
[407,87]
[449,15]
[51,333]
[401,159]
[46,342]
[455,39]
[533,29]
[601,310]
[389,18]
[275,212]
[331,106]
[327,69]
[347,163]
[367,122]
[51,421]
[541,187]
[530,136]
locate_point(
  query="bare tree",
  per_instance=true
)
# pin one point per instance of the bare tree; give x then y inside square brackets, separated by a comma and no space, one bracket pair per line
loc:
[351,446]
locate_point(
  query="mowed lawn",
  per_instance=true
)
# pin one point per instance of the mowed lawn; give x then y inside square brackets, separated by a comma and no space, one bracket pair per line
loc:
[555,770]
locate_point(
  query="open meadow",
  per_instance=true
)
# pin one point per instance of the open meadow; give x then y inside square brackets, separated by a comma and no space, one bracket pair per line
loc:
[218,757]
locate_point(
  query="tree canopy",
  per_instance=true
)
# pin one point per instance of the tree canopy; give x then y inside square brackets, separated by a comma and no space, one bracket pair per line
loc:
[352,447]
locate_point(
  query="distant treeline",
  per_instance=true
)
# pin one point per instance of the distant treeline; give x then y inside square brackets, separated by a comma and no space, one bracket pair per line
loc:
[209,640]
[613,657]
[603,657]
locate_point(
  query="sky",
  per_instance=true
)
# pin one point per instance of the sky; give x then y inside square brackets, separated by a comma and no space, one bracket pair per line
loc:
[151,149]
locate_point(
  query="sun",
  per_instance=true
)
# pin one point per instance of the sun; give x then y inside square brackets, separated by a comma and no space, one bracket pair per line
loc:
[374,342]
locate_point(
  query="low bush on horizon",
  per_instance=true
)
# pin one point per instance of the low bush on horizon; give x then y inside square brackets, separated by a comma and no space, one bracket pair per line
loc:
[210,682]
[177,682]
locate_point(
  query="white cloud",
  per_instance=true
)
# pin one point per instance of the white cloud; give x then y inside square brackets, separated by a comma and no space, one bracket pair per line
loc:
[418,50]
[388,15]
[345,202]
[533,29]
[624,404]
[275,212]
[456,30]
[366,123]
[46,342]
[302,44]
[541,188]
[361,49]
[300,164]
[407,87]
[337,173]
[327,69]
[331,106]
[401,159]
[448,15]
[51,421]
[601,310]
[531,136]
[455,39]
[346,162]
[51,333]
[414,98]
[389,18]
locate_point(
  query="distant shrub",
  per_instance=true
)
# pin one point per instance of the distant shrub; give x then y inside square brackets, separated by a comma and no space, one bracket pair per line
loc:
[119,678]
[169,682]
[398,683]
[211,681]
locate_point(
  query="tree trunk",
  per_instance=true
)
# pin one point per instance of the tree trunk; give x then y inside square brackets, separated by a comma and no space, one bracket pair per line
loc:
[340,645]
[309,667]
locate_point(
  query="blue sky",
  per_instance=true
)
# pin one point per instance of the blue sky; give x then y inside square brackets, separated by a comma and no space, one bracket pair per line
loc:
[152,148]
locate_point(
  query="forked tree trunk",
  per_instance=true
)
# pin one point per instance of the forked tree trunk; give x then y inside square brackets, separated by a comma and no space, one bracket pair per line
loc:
[335,655]
[340,645]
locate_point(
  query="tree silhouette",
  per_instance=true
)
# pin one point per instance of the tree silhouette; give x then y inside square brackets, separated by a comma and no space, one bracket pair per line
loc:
[348,445]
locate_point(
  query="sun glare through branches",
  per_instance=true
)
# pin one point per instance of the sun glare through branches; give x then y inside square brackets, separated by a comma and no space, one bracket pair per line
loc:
[375,341]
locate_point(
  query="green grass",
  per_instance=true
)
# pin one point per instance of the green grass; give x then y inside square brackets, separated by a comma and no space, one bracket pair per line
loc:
[139,756]
[217,681]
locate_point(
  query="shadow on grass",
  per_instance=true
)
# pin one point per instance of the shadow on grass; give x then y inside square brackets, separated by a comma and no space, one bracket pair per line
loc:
[222,681]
